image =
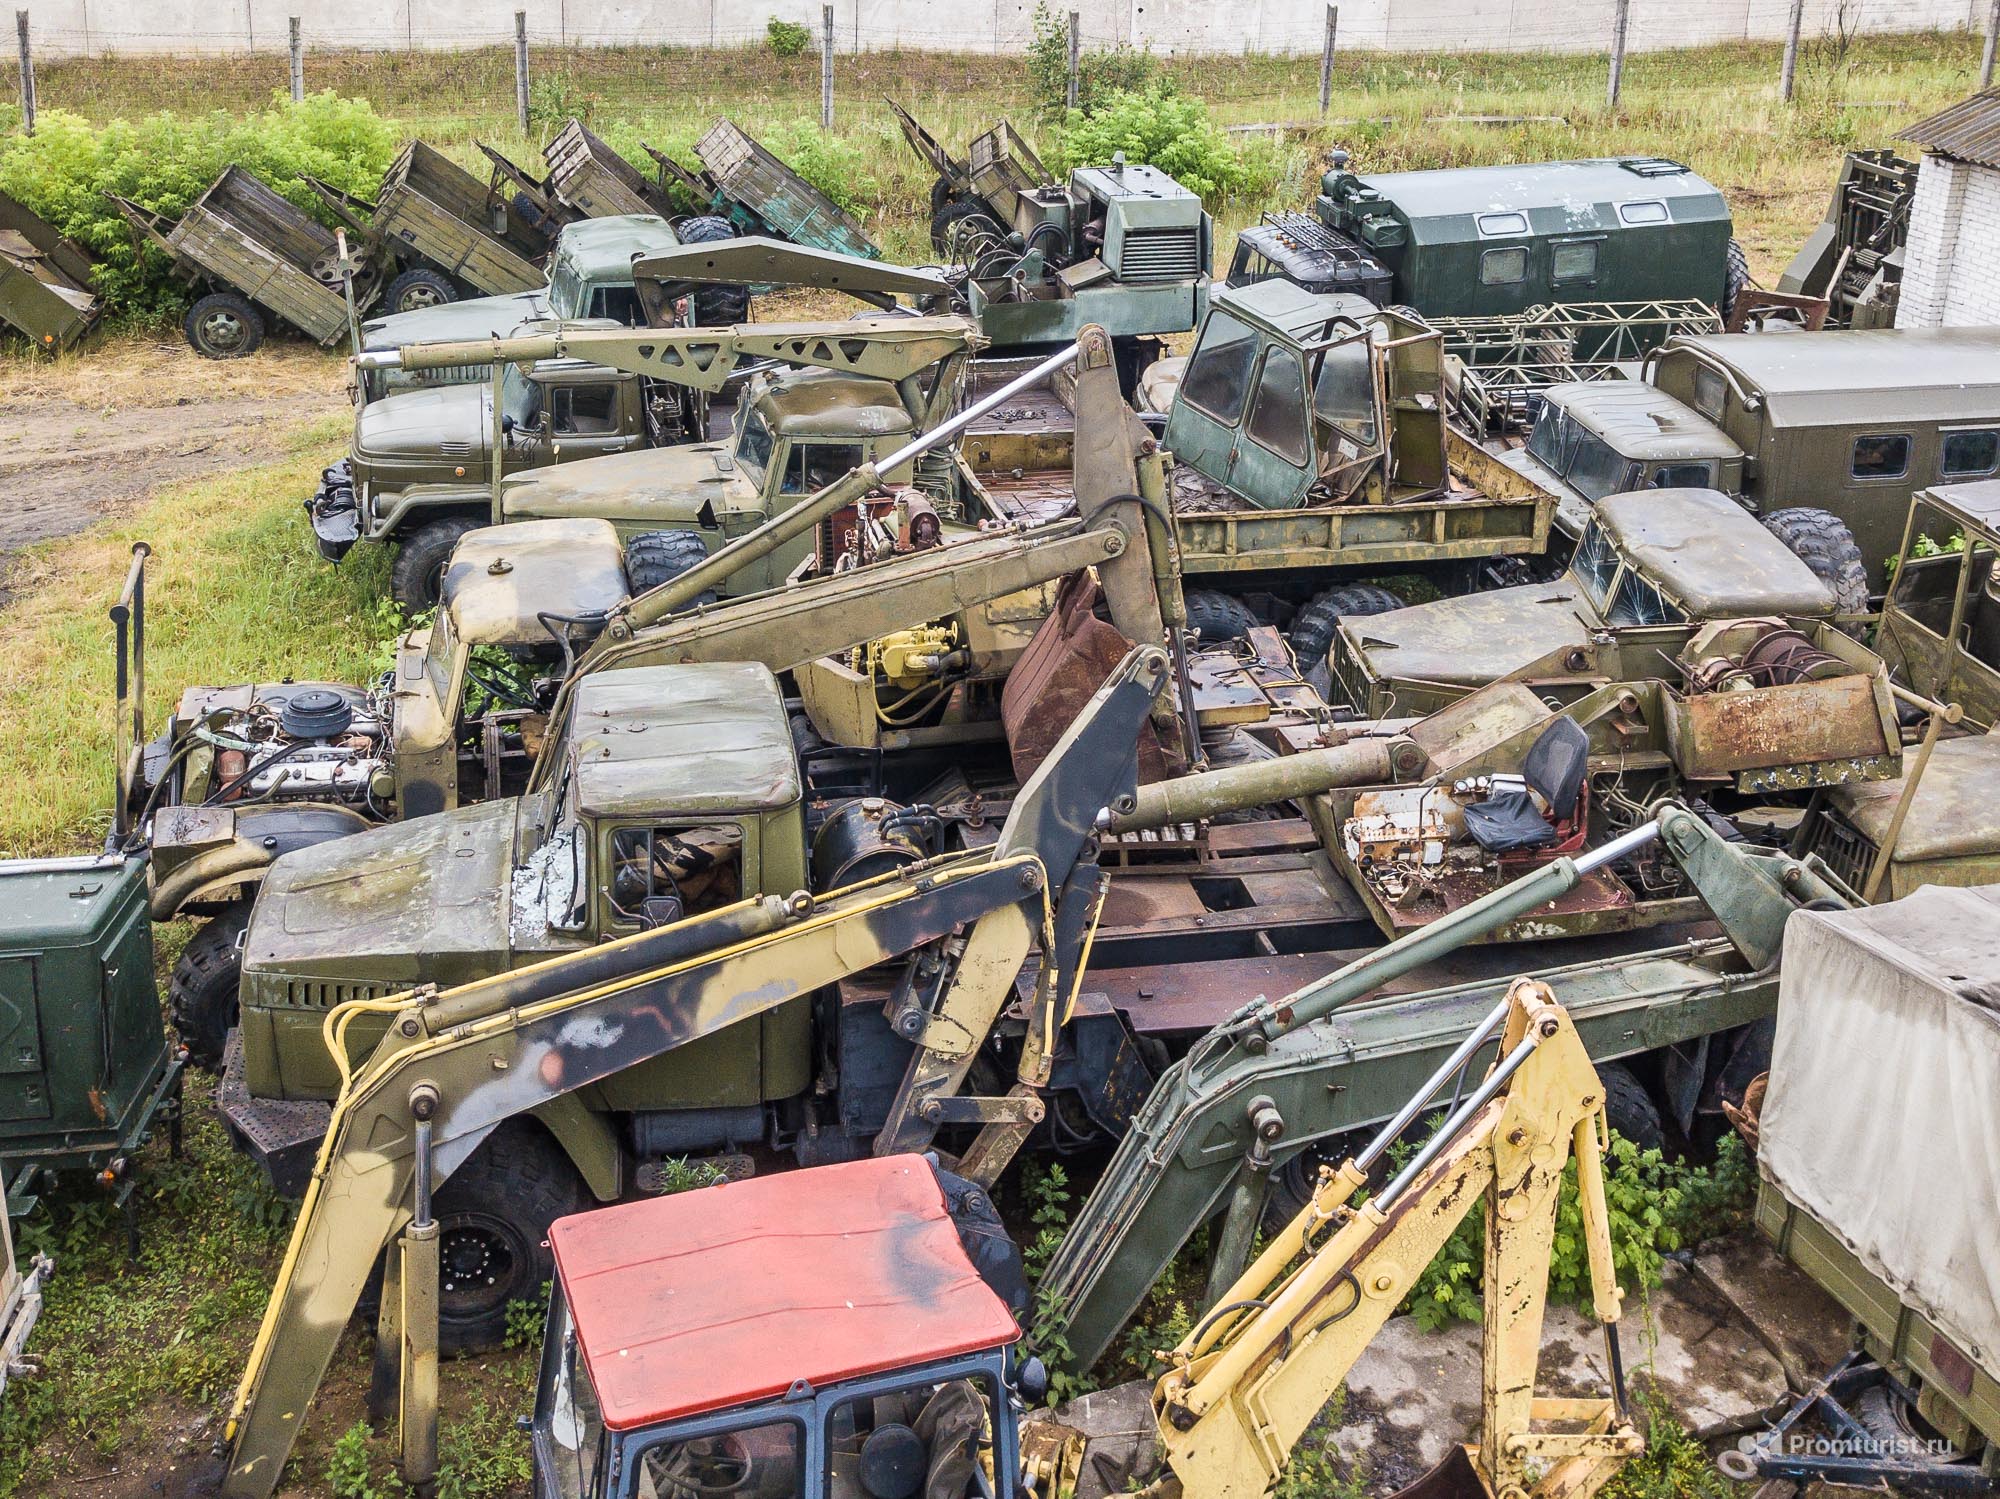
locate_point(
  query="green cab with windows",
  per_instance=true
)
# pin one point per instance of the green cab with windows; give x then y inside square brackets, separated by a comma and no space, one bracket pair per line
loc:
[1651,558]
[1824,435]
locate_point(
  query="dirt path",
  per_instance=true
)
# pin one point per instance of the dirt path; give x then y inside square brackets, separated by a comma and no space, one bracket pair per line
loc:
[94,434]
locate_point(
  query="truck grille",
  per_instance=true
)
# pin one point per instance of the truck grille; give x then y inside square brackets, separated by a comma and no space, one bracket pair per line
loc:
[315,994]
[455,449]
[1842,847]
[1160,255]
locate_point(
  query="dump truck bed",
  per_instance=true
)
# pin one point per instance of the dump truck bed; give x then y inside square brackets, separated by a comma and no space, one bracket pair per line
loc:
[793,207]
[434,209]
[595,180]
[44,280]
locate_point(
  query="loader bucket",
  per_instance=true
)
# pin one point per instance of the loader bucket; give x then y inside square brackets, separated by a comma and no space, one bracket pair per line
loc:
[1453,1478]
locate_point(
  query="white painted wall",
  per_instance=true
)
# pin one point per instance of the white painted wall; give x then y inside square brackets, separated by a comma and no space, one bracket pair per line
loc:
[68,27]
[1951,268]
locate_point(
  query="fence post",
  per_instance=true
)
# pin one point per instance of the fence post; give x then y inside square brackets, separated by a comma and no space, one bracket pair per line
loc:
[1621,12]
[1075,58]
[298,64]
[521,71]
[1326,61]
[27,74]
[1788,75]
[826,68]
[1992,33]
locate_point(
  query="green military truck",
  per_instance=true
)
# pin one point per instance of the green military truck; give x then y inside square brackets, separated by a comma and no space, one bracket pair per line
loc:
[45,281]
[1823,435]
[1666,557]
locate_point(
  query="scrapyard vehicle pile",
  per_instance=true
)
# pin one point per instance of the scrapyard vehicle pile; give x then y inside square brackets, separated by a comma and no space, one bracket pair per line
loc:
[860,754]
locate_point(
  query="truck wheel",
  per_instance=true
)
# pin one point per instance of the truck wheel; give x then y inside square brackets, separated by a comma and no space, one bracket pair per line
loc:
[656,557]
[1313,628]
[1903,1434]
[417,289]
[201,995]
[1216,617]
[417,577]
[1736,277]
[947,219]
[1822,541]
[715,306]
[1629,1108]
[223,325]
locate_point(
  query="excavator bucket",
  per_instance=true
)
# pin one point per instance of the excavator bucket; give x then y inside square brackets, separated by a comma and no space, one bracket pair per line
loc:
[1069,658]
[1455,1477]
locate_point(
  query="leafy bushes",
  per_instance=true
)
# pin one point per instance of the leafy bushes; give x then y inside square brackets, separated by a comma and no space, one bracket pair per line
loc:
[165,162]
[1099,73]
[787,38]
[1161,126]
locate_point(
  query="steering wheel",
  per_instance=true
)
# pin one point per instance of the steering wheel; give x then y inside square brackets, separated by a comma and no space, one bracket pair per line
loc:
[701,1467]
[500,689]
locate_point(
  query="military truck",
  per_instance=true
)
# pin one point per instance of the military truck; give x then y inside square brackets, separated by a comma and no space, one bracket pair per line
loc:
[1823,435]
[45,281]
[1854,256]
[1650,557]
[1481,242]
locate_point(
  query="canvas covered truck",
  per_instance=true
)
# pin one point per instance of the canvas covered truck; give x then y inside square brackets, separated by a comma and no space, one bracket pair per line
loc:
[1824,436]
[45,281]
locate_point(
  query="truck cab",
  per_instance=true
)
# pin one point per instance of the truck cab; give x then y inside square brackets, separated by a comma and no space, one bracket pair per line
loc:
[1654,557]
[822,1334]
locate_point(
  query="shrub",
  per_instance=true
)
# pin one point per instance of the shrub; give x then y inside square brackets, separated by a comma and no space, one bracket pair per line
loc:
[787,38]
[830,163]
[1099,73]
[165,161]
[554,99]
[1172,131]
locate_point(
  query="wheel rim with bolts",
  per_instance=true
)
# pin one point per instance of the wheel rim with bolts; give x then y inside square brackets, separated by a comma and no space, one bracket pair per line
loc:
[222,329]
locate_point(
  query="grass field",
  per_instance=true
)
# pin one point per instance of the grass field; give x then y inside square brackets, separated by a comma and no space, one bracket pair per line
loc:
[140,1358]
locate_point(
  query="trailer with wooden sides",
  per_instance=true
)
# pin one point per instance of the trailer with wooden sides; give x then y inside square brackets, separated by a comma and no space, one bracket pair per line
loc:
[595,181]
[45,280]
[451,235]
[258,258]
[759,194]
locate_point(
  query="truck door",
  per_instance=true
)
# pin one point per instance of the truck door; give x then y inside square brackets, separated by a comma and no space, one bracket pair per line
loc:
[1207,412]
[586,419]
[1273,462]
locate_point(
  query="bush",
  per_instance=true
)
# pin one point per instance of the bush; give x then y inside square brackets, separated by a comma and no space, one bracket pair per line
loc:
[1170,130]
[1099,74]
[554,99]
[165,161]
[787,38]
[830,163]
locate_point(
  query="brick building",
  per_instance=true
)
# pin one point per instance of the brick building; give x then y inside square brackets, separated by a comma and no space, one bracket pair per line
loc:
[1951,268]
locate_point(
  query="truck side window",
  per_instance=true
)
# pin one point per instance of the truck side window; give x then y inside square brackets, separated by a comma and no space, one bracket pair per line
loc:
[1709,391]
[617,302]
[1278,420]
[1577,262]
[586,409]
[1344,393]
[1881,456]
[1504,267]
[1967,454]
[1650,211]
[1549,442]
[1596,469]
[767,1459]
[1640,603]
[1595,563]
[813,466]
[753,447]
[1218,377]
[1684,476]
[951,1420]
[1500,224]
[659,875]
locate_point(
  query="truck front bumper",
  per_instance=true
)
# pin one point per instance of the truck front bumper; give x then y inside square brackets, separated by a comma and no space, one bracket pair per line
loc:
[281,1136]
[334,512]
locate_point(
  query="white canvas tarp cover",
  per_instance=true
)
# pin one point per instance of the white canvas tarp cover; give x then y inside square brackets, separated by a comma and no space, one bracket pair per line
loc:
[1883,1113]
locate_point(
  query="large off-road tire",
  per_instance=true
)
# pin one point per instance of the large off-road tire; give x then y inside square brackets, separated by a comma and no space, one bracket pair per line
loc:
[1216,617]
[224,325]
[950,216]
[418,288]
[418,572]
[201,995]
[1629,1108]
[1737,277]
[715,306]
[656,557]
[1822,541]
[1314,626]
[493,1219]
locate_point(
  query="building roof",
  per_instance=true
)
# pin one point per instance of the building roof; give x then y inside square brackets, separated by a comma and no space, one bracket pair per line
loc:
[1969,130]
[501,579]
[1711,554]
[706,738]
[710,1299]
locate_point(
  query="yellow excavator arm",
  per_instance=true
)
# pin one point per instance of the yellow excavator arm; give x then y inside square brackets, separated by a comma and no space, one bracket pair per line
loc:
[1244,1386]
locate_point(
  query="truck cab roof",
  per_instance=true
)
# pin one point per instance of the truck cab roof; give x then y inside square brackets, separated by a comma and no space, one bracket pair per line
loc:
[827,403]
[502,579]
[605,246]
[714,1298]
[700,738]
[1637,420]
[1711,554]
[1288,310]
[1558,197]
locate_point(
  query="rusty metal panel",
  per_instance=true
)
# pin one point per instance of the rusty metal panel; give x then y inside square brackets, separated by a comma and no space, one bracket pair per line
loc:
[1818,733]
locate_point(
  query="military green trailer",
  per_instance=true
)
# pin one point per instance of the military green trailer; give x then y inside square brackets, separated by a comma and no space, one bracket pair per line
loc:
[45,281]
[87,1072]
[1824,435]
[441,223]
[259,259]
[755,193]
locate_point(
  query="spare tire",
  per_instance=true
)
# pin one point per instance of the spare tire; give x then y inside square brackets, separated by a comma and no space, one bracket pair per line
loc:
[1822,541]
[715,306]
[1216,617]
[1314,626]
[656,557]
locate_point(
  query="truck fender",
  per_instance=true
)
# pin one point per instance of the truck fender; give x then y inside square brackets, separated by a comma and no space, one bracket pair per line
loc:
[261,836]
[589,1141]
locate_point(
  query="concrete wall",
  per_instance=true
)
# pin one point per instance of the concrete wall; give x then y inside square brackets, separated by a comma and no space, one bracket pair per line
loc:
[68,27]
[1951,269]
